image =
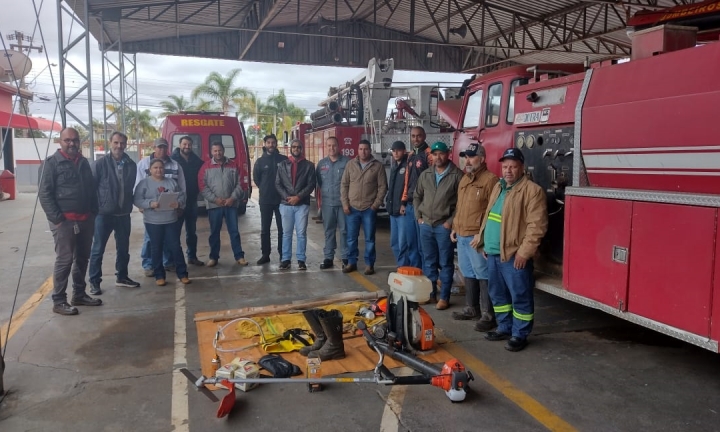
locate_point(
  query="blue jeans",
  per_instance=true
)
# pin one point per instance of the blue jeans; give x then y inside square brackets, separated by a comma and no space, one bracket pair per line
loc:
[216,216]
[404,240]
[333,219]
[412,236]
[438,253]
[511,292]
[146,254]
[104,225]
[294,218]
[472,263]
[189,218]
[166,236]
[353,220]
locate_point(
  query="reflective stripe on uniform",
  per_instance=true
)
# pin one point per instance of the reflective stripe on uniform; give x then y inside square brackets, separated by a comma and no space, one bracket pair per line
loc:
[522,316]
[502,308]
[495,217]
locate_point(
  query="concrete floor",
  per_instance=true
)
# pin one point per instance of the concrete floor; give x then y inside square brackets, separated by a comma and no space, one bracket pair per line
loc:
[115,367]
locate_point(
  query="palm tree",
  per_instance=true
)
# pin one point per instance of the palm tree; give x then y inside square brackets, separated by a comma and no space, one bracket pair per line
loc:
[285,114]
[141,124]
[205,105]
[175,105]
[221,89]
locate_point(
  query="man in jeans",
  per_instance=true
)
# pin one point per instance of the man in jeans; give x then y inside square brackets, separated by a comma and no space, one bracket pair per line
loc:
[68,197]
[473,194]
[219,181]
[362,191]
[295,182]
[329,172]
[435,199]
[419,159]
[264,174]
[402,225]
[174,171]
[115,177]
[190,164]
[515,222]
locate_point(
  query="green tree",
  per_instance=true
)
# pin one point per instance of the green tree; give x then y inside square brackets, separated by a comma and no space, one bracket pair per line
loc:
[222,90]
[284,114]
[174,105]
[206,105]
[141,125]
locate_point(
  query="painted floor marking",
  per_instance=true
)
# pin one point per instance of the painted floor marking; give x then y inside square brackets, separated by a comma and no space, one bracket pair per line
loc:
[179,410]
[25,311]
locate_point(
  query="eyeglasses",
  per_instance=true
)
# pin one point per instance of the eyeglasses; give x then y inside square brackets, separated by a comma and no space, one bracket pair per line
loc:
[295,147]
[71,140]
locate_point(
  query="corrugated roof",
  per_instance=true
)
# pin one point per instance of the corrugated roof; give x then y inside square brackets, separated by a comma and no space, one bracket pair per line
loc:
[502,31]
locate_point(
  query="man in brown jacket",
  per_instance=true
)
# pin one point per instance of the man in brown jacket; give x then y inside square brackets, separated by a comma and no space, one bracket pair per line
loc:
[473,195]
[362,191]
[515,221]
[435,198]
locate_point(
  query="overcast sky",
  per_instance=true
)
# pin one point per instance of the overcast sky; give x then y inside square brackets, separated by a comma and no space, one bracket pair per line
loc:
[160,76]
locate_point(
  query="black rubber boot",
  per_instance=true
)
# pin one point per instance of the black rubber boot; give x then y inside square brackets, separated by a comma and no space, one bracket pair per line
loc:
[334,347]
[319,340]
[472,299]
[487,313]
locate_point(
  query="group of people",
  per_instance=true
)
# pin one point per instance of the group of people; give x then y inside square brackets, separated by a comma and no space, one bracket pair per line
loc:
[86,202]
[497,224]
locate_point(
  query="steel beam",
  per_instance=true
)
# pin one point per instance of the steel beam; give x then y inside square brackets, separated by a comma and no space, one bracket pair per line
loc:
[64,61]
[273,11]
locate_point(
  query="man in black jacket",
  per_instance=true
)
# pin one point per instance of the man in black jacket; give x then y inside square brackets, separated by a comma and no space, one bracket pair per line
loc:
[191,164]
[295,182]
[403,240]
[68,197]
[115,177]
[264,174]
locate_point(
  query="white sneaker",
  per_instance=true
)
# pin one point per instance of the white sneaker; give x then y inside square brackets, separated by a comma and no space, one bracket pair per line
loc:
[211,263]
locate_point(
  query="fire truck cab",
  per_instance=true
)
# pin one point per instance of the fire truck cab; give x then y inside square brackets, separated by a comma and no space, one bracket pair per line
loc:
[206,128]
[629,156]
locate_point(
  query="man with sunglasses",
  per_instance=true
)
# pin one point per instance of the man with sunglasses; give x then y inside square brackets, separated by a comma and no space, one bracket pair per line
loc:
[295,182]
[69,199]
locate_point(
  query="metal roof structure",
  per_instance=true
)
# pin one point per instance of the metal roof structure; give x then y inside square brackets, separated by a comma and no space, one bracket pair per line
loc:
[471,36]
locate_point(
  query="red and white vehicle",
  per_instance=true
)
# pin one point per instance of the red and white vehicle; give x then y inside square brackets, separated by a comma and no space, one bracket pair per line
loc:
[629,155]
[206,128]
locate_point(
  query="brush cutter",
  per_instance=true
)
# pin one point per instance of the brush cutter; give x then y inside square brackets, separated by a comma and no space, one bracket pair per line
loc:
[451,376]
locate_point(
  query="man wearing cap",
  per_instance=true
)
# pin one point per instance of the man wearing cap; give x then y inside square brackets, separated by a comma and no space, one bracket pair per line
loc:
[473,194]
[174,171]
[435,198]
[514,223]
[419,159]
[402,225]
[362,191]
[329,172]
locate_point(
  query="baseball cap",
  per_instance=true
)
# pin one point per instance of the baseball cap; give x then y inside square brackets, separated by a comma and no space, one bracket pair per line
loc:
[473,149]
[159,142]
[439,146]
[514,154]
[398,145]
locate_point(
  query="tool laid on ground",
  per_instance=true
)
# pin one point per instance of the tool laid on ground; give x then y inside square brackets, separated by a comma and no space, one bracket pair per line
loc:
[413,328]
[451,376]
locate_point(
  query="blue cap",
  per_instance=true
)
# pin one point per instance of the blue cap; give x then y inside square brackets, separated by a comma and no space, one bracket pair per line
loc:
[439,146]
[514,154]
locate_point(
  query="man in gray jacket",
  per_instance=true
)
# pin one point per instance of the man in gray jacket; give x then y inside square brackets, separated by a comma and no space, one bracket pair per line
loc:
[219,181]
[115,176]
[329,173]
[435,198]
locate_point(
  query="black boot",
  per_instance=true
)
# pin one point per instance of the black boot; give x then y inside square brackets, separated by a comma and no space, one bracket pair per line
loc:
[319,340]
[334,347]
[472,299]
[487,313]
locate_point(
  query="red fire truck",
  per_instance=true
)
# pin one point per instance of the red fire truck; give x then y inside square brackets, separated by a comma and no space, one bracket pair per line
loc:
[206,128]
[629,155]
